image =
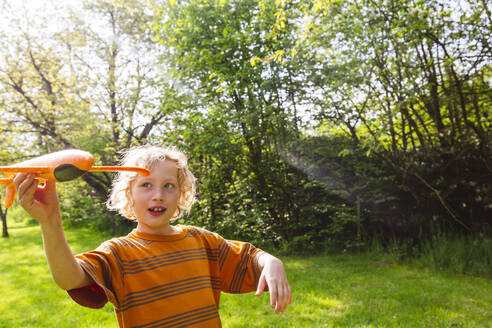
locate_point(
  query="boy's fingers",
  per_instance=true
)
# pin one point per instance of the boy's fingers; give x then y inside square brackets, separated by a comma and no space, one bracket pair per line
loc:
[273,296]
[280,301]
[261,286]
[287,296]
[283,298]
[26,187]
[18,179]
[49,184]
[48,191]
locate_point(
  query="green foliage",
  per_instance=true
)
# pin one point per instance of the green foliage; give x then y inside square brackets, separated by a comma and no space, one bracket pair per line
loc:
[408,83]
[310,125]
[81,208]
[246,190]
[287,206]
[75,85]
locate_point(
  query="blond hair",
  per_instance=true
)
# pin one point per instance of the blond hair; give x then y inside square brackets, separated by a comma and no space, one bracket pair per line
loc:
[120,198]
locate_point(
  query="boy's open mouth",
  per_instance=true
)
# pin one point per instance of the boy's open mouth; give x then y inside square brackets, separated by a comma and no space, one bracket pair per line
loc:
[157,210]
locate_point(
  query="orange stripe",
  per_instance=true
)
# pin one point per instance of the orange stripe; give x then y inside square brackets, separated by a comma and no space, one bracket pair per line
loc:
[139,170]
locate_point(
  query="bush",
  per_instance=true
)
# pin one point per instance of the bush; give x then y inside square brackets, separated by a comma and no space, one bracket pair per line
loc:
[80,207]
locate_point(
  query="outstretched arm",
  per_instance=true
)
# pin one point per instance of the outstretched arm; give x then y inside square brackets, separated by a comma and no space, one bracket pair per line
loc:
[42,204]
[273,275]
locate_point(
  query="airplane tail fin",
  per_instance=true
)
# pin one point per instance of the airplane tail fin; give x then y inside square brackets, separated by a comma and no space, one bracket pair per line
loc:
[9,196]
[10,193]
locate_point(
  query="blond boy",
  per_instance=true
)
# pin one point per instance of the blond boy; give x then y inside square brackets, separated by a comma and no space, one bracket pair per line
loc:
[160,275]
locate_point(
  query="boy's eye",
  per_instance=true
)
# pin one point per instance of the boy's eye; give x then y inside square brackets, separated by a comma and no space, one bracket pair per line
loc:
[168,186]
[146,184]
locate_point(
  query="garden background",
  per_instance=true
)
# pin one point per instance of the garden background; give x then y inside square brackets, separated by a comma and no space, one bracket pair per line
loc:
[357,132]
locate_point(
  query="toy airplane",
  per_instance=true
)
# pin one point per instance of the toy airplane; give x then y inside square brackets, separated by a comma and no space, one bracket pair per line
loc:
[60,166]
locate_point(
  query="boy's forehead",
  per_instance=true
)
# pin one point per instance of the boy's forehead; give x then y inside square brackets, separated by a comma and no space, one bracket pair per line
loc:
[167,162]
[150,162]
[164,167]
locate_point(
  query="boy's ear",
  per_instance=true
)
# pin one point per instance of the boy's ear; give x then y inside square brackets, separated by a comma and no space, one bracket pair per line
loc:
[129,197]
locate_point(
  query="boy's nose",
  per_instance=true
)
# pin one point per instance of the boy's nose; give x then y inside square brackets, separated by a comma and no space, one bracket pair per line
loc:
[158,195]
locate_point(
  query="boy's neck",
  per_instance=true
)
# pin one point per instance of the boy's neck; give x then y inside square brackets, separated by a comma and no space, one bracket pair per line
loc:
[166,231]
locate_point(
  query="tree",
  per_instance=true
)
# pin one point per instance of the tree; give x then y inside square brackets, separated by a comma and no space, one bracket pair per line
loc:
[10,151]
[407,80]
[91,84]
[248,109]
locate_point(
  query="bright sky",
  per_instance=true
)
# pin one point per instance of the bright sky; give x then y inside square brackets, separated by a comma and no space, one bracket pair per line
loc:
[23,10]
[42,4]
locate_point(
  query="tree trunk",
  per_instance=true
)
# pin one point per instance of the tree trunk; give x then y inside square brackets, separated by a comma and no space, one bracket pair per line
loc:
[3,214]
[357,210]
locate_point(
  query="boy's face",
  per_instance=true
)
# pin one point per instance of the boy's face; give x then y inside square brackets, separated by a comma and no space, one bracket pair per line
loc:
[155,198]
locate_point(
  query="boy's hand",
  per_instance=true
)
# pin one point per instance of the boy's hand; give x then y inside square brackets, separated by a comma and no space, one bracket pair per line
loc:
[40,202]
[273,275]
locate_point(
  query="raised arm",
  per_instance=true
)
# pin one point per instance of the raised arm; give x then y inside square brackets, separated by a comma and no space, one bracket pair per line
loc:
[273,275]
[43,205]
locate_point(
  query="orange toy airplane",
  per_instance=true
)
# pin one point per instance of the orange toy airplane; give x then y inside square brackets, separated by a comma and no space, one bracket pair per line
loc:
[60,166]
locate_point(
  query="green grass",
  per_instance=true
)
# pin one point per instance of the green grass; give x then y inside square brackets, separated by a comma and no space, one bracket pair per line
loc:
[328,291]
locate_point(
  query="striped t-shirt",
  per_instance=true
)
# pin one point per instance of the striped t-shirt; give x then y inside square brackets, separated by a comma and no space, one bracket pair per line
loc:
[167,281]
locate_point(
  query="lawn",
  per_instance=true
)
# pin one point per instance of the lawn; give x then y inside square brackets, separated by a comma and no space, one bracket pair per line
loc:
[328,291]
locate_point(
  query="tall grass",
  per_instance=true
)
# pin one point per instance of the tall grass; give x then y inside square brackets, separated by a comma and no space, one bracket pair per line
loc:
[457,254]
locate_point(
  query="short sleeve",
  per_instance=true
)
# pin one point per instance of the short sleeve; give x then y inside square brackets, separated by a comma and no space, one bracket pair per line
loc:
[238,266]
[100,265]
[92,296]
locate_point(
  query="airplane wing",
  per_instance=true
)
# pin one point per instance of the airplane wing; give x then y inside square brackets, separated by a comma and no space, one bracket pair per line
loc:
[29,169]
[11,170]
[139,170]
[5,181]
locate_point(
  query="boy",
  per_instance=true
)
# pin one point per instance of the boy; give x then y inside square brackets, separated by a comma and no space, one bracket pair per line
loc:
[160,275]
